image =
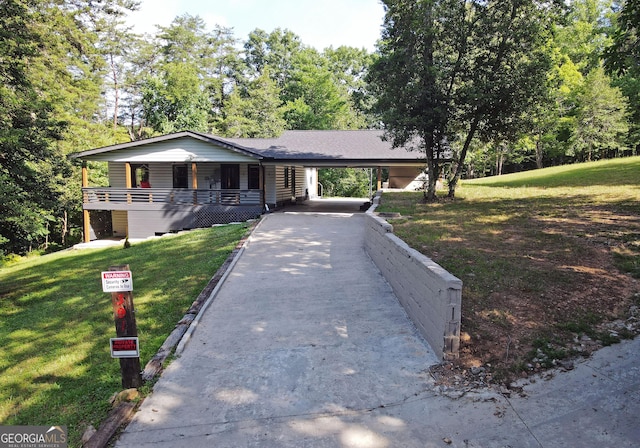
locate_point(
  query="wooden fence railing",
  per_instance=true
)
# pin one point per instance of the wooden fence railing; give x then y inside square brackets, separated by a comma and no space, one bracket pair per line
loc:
[174,196]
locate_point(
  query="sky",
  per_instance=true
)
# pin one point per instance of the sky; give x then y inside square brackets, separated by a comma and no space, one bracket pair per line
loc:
[319,23]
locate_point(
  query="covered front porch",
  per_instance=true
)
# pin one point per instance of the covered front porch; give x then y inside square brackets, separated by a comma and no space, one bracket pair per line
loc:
[138,210]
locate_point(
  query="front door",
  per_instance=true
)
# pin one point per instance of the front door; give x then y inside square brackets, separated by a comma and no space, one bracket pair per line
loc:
[230,176]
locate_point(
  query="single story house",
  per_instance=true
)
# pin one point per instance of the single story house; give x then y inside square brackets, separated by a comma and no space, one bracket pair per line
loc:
[191,179]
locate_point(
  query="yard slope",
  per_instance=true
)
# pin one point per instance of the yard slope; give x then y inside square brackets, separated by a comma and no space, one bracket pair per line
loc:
[549,260]
[55,322]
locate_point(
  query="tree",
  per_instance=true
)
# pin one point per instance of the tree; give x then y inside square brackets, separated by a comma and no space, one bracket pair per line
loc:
[345,182]
[623,54]
[173,95]
[184,40]
[622,58]
[143,63]
[404,80]
[70,73]
[319,90]
[115,41]
[27,131]
[187,86]
[223,70]
[175,100]
[452,67]
[585,32]
[349,67]
[255,113]
[601,118]
[554,120]
[276,50]
[314,99]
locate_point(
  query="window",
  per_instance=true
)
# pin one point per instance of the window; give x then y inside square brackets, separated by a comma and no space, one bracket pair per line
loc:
[254,177]
[180,176]
[230,177]
[140,175]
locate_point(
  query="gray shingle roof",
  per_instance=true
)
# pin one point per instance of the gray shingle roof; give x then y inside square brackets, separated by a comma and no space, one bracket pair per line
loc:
[354,145]
[320,148]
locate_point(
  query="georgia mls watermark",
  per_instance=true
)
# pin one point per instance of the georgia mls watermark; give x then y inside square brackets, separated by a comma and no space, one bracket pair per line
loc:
[33,437]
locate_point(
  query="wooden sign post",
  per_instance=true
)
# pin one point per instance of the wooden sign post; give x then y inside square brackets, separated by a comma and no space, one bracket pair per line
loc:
[119,282]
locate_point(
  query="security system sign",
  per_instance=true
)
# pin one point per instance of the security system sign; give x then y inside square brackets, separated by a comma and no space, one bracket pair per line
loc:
[117,281]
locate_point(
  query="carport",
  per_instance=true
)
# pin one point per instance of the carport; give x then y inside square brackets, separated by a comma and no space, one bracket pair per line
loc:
[340,149]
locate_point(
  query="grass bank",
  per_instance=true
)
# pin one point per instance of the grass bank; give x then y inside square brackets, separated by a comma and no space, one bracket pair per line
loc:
[55,322]
[547,258]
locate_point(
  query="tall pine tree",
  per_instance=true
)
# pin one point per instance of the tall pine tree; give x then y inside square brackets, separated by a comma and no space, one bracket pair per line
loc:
[27,132]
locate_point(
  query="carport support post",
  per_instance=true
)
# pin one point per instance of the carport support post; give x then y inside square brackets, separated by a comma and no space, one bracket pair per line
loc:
[379,173]
[125,321]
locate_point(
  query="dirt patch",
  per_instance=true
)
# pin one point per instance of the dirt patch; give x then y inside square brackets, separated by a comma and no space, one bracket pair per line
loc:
[542,285]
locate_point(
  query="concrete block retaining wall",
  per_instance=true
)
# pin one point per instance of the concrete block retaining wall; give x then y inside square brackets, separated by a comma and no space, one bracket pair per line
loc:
[431,296]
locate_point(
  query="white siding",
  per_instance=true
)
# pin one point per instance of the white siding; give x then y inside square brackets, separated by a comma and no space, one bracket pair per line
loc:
[119,223]
[117,175]
[161,175]
[184,149]
[270,184]
[301,182]
[284,194]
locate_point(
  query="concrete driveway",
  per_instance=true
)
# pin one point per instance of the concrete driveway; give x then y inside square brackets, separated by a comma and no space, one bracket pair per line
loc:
[305,345]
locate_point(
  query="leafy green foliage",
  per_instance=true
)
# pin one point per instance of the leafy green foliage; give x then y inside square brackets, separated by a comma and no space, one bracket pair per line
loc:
[175,100]
[256,113]
[275,50]
[459,68]
[345,182]
[601,121]
[27,132]
[622,55]
[315,99]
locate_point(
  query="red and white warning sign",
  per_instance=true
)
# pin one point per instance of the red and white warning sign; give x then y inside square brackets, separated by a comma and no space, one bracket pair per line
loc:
[124,348]
[116,281]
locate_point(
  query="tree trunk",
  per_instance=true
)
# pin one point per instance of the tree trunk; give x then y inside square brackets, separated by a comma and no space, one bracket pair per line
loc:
[539,154]
[430,193]
[65,227]
[116,92]
[432,169]
[453,180]
[499,56]
[500,159]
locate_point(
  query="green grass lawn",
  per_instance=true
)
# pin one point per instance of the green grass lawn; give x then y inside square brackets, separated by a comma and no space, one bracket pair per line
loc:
[538,252]
[55,322]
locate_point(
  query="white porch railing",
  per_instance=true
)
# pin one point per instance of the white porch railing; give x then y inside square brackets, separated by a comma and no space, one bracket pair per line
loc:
[172,196]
